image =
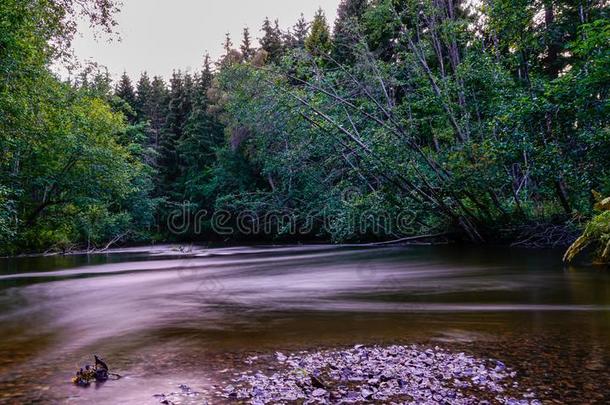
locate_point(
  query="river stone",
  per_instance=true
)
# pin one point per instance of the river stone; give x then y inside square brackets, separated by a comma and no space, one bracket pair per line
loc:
[394,374]
[320,392]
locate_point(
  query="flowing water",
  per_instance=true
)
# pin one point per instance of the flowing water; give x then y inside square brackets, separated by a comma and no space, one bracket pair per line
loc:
[166,316]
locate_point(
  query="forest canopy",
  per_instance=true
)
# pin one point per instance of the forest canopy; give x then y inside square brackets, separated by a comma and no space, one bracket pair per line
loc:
[486,120]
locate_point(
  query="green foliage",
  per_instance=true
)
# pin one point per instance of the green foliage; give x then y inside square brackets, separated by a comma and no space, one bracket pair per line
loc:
[300,32]
[246,45]
[70,171]
[346,32]
[7,216]
[271,42]
[425,116]
[597,233]
[472,120]
[319,42]
[81,168]
[127,94]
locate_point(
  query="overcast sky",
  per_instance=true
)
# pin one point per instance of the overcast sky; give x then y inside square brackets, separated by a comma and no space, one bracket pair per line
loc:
[159,36]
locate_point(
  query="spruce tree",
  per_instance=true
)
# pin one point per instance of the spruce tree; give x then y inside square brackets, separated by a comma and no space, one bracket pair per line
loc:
[318,42]
[300,32]
[271,41]
[206,73]
[203,134]
[279,35]
[125,91]
[246,45]
[179,109]
[345,34]
[228,44]
[101,85]
[157,110]
[288,40]
[143,94]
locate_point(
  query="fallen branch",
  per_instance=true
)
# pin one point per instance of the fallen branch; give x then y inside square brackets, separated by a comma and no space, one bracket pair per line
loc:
[109,244]
[408,239]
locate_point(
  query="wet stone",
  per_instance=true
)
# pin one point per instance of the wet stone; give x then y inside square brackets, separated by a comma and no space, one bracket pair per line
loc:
[394,374]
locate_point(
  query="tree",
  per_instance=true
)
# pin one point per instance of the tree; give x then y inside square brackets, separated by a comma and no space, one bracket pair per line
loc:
[346,33]
[300,32]
[206,74]
[203,134]
[472,116]
[227,44]
[157,111]
[143,97]
[179,109]
[485,122]
[125,91]
[271,42]
[318,42]
[246,45]
[382,29]
[66,177]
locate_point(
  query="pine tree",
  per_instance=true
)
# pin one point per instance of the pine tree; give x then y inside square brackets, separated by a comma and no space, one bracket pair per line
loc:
[101,85]
[179,109]
[125,91]
[246,45]
[206,74]
[203,134]
[175,115]
[279,35]
[288,40]
[202,83]
[271,42]
[318,42]
[228,44]
[143,94]
[300,32]
[231,55]
[345,34]
[157,110]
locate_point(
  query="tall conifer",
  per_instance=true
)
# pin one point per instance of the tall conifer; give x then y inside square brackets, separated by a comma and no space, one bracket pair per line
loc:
[345,34]
[300,32]
[143,94]
[125,91]
[271,41]
[246,45]
[318,42]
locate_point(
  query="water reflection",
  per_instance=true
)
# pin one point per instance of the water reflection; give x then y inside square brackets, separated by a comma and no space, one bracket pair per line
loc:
[155,312]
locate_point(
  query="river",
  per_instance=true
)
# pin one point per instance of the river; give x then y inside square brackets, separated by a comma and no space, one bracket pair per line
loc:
[164,316]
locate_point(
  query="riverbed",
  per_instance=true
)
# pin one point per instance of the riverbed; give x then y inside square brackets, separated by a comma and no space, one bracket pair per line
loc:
[168,316]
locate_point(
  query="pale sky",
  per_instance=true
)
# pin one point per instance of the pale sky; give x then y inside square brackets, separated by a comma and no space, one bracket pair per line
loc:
[159,36]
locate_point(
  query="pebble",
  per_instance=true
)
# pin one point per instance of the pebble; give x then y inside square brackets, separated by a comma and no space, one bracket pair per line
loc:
[320,392]
[397,374]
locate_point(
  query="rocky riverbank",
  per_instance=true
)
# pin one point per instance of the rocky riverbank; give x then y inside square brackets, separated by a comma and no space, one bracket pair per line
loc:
[369,374]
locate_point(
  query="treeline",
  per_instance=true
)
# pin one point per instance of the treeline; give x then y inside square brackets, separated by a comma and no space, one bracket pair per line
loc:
[487,120]
[71,173]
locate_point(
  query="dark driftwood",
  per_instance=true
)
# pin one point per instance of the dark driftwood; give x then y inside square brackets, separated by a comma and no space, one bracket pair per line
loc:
[408,239]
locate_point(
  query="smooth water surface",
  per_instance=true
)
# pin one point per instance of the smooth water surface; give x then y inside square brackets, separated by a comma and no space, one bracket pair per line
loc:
[165,316]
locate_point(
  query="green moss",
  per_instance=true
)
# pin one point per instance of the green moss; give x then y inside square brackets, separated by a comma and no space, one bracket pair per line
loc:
[596,233]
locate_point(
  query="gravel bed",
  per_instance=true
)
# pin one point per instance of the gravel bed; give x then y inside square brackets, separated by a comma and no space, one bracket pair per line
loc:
[375,374]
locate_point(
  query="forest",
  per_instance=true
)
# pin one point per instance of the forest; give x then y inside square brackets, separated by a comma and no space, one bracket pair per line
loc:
[483,121]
